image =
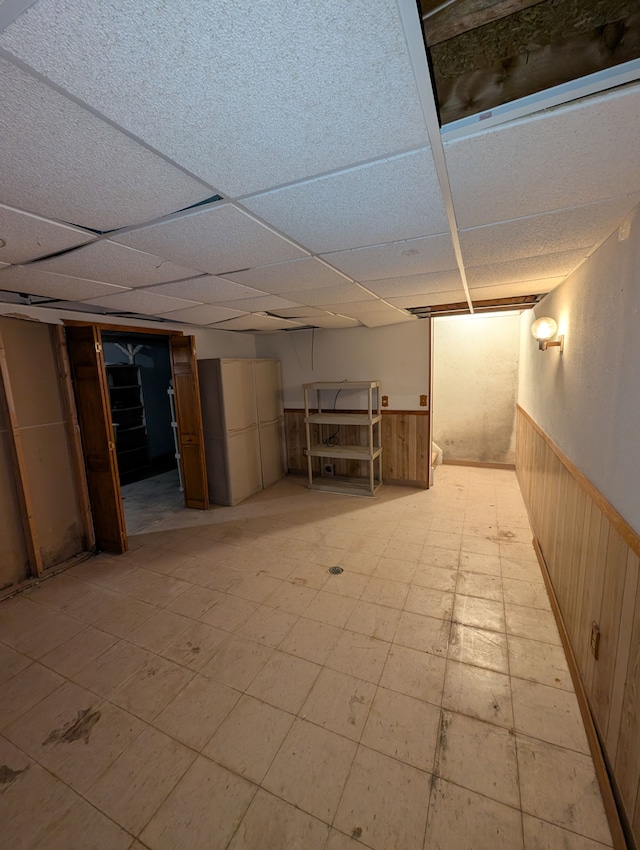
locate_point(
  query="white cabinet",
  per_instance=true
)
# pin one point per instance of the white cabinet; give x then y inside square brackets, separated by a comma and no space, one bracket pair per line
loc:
[243,423]
[368,452]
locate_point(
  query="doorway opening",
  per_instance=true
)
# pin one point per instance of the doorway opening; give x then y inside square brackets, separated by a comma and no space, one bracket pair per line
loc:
[140,384]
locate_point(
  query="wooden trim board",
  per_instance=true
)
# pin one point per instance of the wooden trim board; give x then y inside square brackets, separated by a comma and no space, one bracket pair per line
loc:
[479,463]
[127,329]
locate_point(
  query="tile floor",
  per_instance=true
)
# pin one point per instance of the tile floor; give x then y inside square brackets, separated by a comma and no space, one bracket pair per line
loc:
[151,500]
[217,688]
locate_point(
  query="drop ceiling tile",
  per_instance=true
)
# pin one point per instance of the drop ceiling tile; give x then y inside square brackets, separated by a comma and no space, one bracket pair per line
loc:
[564,230]
[208,289]
[32,281]
[206,314]
[263,302]
[576,154]
[411,284]
[220,239]
[308,273]
[300,312]
[390,200]
[255,321]
[523,287]
[391,317]
[274,82]
[109,262]
[64,163]
[429,299]
[27,236]
[334,322]
[330,295]
[357,307]
[142,301]
[396,259]
[528,268]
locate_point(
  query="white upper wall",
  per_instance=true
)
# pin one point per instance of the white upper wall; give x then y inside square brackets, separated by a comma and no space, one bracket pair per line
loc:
[209,342]
[588,399]
[475,386]
[396,355]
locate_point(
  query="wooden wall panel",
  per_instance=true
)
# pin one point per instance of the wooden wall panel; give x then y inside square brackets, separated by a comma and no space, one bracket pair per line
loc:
[592,557]
[14,556]
[405,446]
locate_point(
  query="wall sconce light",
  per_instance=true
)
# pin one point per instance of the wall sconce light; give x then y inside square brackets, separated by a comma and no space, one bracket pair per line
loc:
[542,330]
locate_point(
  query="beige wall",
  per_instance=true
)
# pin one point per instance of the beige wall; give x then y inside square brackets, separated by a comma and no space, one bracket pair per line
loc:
[13,553]
[475,385]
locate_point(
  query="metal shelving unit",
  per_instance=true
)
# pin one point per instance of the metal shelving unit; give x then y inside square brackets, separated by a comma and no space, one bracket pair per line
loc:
[370,453]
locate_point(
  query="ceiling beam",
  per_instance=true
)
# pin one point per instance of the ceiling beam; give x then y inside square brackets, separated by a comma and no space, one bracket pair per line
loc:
[445,20]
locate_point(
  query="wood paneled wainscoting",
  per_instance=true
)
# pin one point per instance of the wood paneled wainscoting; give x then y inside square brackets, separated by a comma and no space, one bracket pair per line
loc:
[591,555]
[405,446]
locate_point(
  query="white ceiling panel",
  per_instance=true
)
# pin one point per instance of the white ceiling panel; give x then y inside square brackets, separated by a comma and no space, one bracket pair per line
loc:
[220,239]
[333,322]
[111,263]
[523,287]
[354,308]
[396,259]
[27,237]
[331,295]
[78,168]
[269,79]
[386,201]
[256,321]
[456,296]
[288,277]
[33,281]
[528,268]
[208,289]
[300,312]
[579,227]
[142,301]
[263,302]
[206,314]
[394,287]
[392,317]
[559,158]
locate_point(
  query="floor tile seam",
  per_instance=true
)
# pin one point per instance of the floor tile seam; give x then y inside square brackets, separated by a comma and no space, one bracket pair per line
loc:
[567,829]
[5,726]
[586,753]
[501,726]
[533,640]
[173,637]
[566,690]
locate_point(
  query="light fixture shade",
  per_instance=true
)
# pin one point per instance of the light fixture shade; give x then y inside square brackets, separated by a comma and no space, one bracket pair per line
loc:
[543,329]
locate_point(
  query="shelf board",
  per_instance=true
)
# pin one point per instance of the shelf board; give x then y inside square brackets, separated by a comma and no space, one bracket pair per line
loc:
[336,418]
[349,486]
[341,385]
[347,452]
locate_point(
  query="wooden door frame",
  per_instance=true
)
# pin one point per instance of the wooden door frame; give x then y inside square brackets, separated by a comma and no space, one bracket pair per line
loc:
[127,329]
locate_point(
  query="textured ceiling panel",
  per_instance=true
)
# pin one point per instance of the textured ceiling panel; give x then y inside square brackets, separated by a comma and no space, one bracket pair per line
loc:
[395,199]
[580,227]
[300,312]
[228,75]
[261,303]
[112,263]
[62,162]
[28,236]
[412,284]
[207,289]
[354,308]
[206,314]
[395,259]
[221,239]
[256,321]
[429,299]
[333,322]
[137,301]
[287,277]
[330,295]
[560,158]
[523,287]
[32,281]
[528,268]
[393,317]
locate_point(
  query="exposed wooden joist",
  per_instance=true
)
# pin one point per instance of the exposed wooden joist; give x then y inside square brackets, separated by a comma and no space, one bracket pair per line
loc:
[444,21]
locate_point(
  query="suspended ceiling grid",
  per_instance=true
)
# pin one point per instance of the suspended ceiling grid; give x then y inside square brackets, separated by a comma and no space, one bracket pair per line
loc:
[315,127]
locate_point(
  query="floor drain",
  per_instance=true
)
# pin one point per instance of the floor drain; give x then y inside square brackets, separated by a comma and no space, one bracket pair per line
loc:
[335,571]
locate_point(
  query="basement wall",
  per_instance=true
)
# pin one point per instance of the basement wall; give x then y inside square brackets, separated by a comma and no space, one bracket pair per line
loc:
[578,462]
[475,386]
